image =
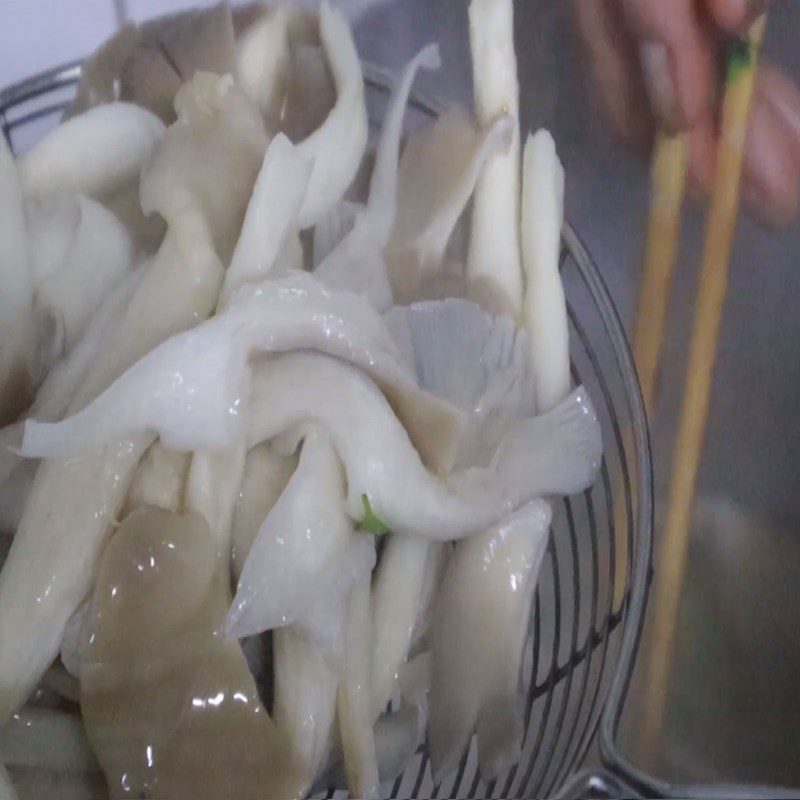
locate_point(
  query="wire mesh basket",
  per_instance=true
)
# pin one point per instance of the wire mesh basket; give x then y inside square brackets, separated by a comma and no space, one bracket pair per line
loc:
[589,605]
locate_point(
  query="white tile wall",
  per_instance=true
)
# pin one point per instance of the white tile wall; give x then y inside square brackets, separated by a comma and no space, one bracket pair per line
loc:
[38,34]
[139,10]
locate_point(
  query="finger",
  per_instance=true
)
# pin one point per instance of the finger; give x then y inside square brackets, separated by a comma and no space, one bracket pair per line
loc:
[614,67]
[771,168]
[783,95]
[735,16]
[771,171]
[676,58]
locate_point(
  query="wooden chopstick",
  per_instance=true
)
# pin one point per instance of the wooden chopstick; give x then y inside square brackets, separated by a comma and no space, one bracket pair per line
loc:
[739,92]
[668,183]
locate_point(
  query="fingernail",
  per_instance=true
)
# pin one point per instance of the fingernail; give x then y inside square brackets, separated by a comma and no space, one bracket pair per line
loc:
[659,82]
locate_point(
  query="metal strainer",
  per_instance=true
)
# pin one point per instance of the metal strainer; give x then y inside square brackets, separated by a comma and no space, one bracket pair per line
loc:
[589,605]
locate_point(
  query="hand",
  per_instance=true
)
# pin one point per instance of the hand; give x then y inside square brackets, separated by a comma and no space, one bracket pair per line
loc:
[660,61]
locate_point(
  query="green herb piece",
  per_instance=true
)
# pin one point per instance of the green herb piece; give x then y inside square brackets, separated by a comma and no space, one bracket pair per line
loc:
[740,58]
[372,523]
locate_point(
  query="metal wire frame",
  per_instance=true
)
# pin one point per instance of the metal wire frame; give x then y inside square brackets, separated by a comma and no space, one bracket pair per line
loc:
[621,778]
[573,678]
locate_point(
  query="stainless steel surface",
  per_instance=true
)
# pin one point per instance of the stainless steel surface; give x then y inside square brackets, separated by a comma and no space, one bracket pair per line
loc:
[597,785]
[589,605]
[735,699]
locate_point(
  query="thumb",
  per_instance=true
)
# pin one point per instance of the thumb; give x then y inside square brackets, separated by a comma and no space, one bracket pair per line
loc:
[736,16]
